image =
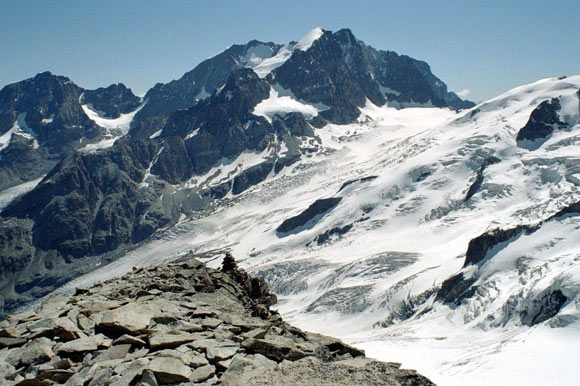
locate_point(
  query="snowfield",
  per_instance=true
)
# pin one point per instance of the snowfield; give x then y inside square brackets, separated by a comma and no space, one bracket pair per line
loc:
[116,127]
[368,269]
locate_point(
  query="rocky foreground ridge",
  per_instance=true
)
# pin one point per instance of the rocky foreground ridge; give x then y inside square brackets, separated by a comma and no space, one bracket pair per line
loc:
[182,323]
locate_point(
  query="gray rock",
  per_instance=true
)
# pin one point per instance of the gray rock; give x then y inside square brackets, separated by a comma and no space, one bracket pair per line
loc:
[189,357]
[148,378]
[86,324]
[131,318]
[12,342]
[115,352]
[170,370]
[170,340]
[202,373]
[101,377]
[62,328]
[129,339]
[221,352]
[240,362]
[276,348]
[37,351]
[77,346]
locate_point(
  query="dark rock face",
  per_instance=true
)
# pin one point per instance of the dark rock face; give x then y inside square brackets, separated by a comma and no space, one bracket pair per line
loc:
[341,72]
[546,306]
[47,108]
[179,323]
[90,204]
[338,71]
[82,206]
[195,85]
[336,231]
[363,179]
[543,120]
[455,289]
[113,100]
[223,125]
[251,176]
[474,188]
[481,245]
[318,208]
[458,287]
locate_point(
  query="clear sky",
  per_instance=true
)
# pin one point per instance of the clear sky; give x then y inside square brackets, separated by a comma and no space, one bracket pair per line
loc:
[485,47]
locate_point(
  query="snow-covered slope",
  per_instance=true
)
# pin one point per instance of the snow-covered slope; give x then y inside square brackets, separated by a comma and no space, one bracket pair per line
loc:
[115,127]
[412,187]
[266,65]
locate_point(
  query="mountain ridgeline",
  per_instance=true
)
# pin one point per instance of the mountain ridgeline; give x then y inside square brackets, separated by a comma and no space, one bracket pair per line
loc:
[42,120]
[176,154]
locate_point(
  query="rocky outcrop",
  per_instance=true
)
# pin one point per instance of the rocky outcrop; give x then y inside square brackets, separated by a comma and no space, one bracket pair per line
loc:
[195,85]
[223,126]
[89,205]
[338,71]
[341,72]
[460,287]
[113,101]
[476,185]
[182,323]
[318,208]
[542,123]
[45,121]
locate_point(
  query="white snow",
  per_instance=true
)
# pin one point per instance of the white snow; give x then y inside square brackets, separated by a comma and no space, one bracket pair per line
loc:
[282,105]
[257,54]
[203,94]
[192,134]
[21,128]
[226,169]
[115,128]
[156,134]
[308,40]
[266,66]
[7,195]
[46,121]
[147,174]
[410,231]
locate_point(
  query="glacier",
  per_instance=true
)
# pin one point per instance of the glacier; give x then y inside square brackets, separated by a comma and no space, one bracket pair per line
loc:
[367,271]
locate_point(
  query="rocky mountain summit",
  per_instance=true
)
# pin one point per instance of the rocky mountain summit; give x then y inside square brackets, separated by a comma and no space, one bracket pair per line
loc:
[333,71]
[182,323]
[43,119]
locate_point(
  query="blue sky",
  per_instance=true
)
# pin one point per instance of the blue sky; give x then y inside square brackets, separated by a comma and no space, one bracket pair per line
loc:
[485,47]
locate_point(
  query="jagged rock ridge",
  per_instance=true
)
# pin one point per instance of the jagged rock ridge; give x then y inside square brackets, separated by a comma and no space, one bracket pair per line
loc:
[42,121]
[182,323]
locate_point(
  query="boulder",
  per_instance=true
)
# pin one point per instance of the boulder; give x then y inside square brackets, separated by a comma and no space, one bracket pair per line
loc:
[202,373]
[170,370]
[129,339]
[12,342]
[276,348]
[77,346]
[131,318]
[170,340]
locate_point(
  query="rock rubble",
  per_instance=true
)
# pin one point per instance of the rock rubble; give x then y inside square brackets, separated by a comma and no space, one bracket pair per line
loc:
[182,323]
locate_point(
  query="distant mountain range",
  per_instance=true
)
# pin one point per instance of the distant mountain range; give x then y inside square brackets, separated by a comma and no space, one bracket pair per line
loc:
[380,207]
[260,97]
